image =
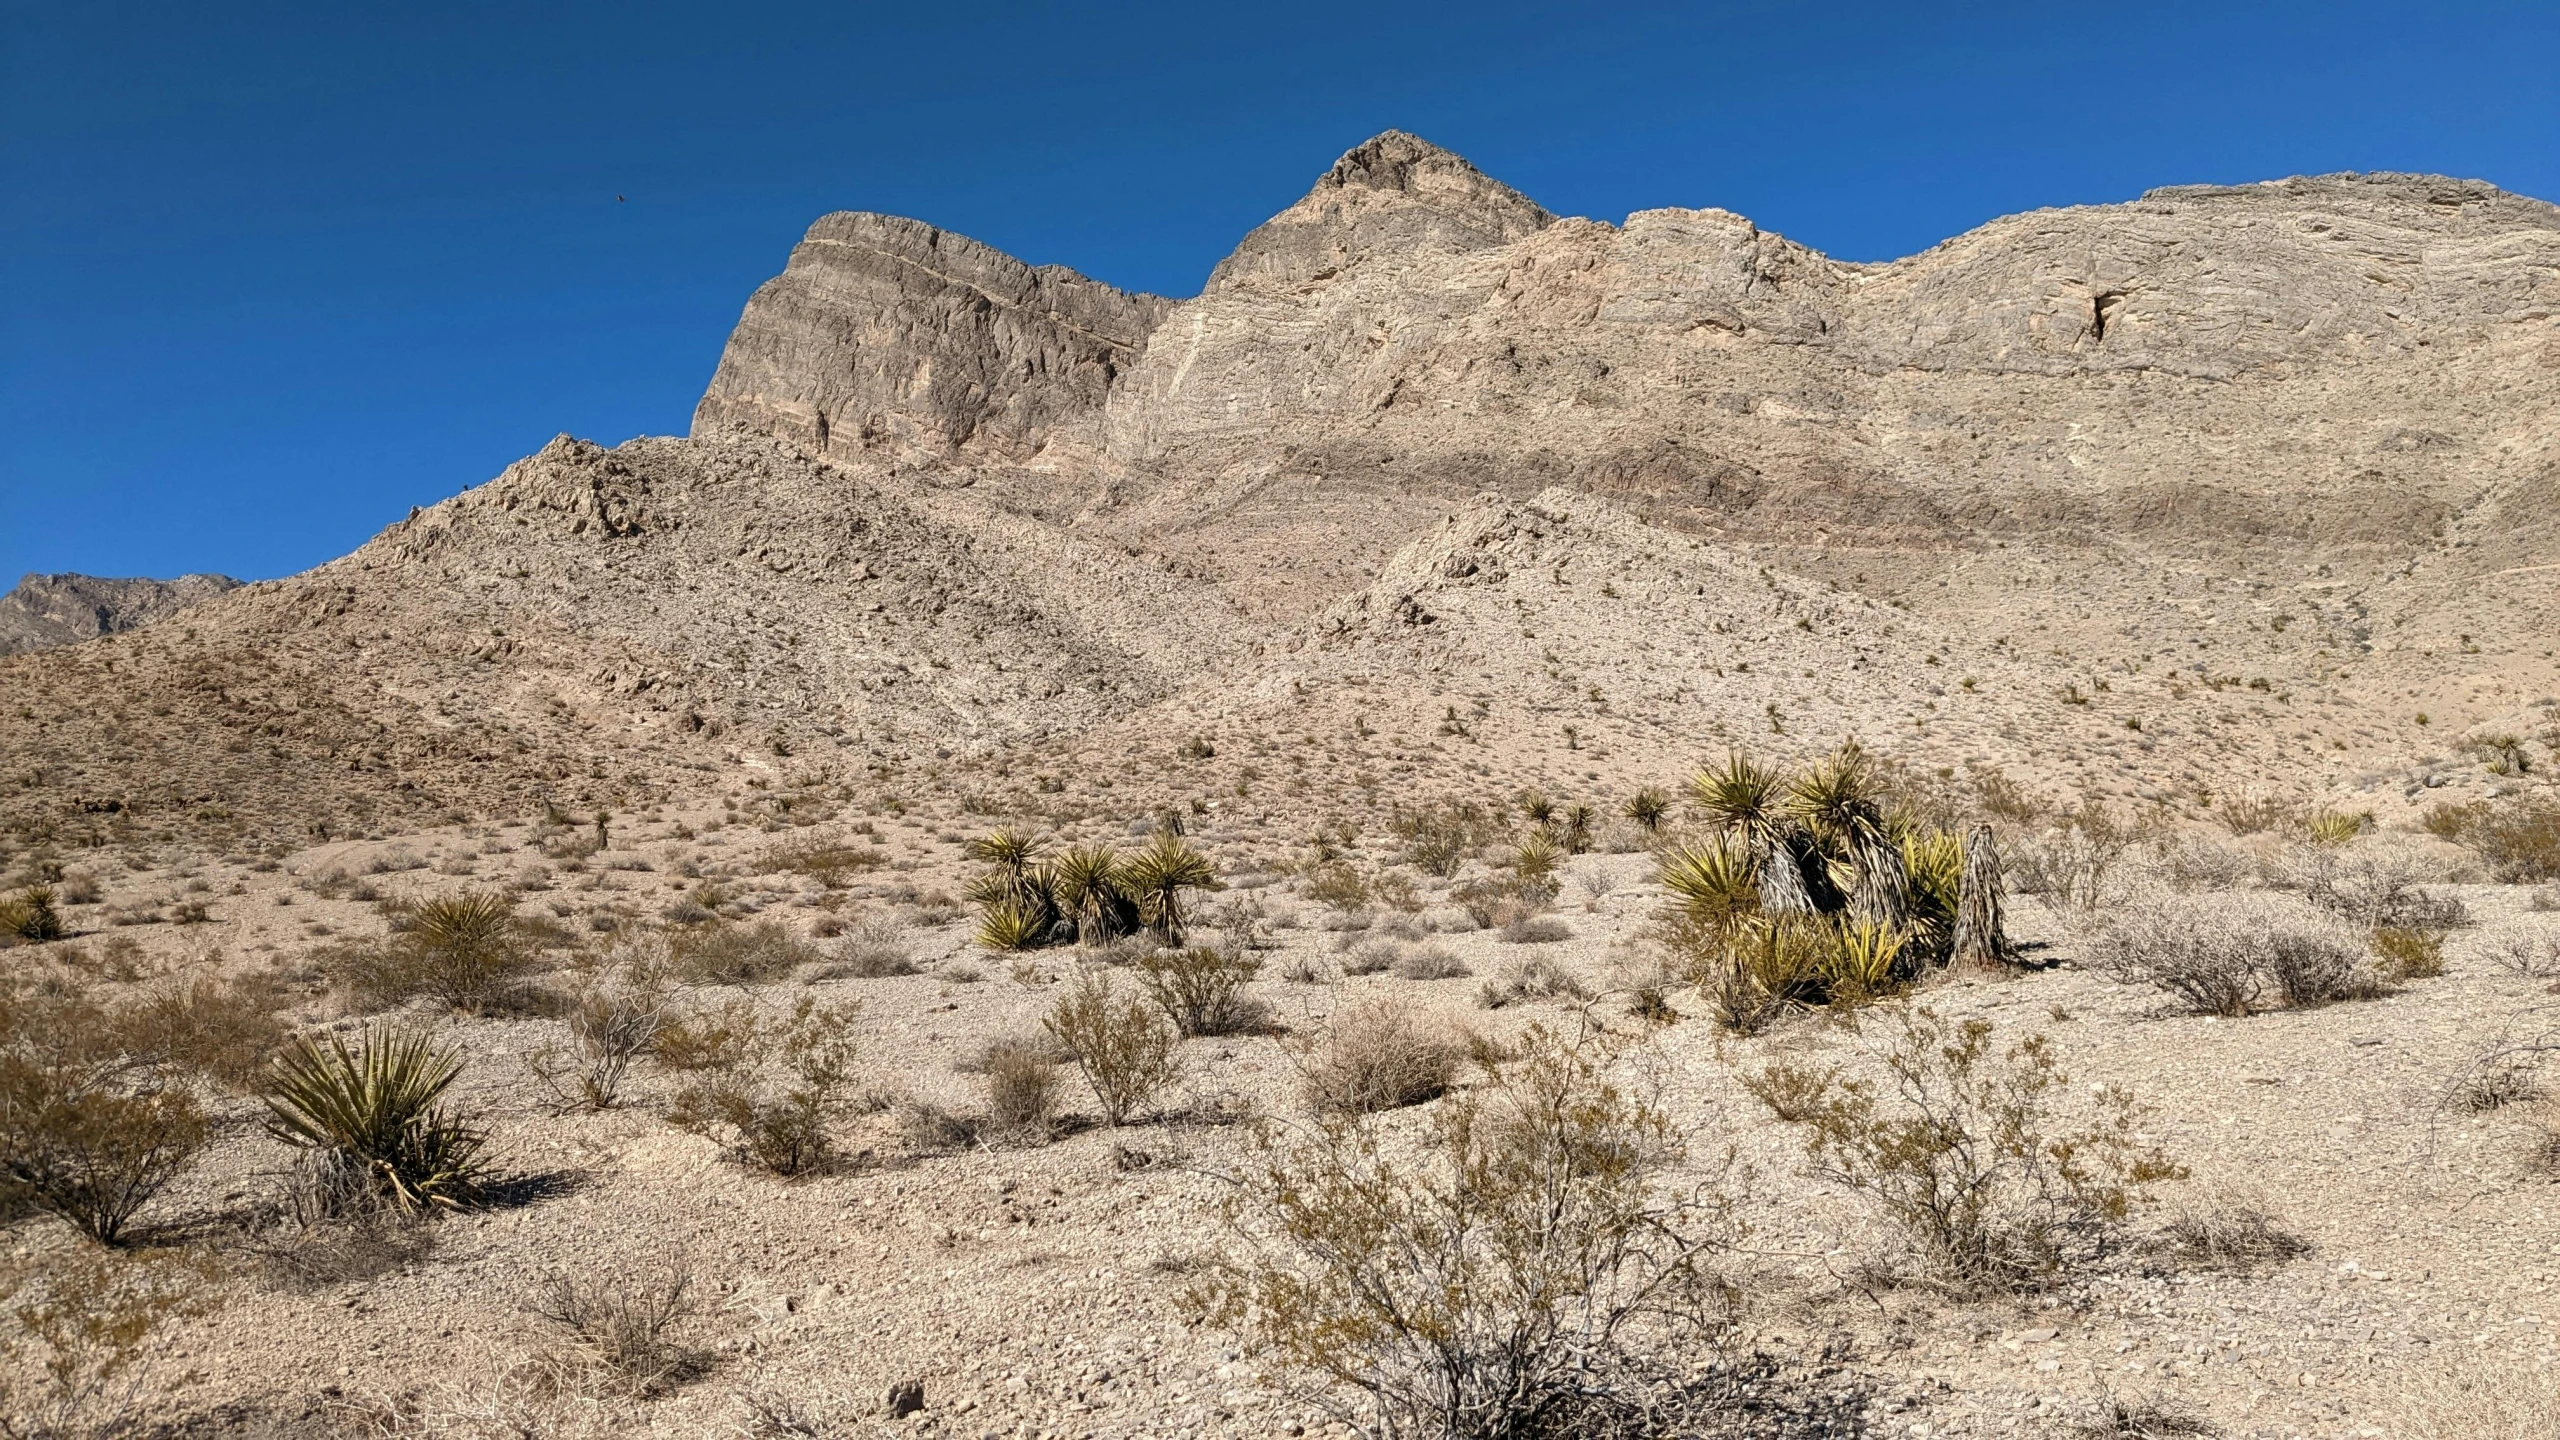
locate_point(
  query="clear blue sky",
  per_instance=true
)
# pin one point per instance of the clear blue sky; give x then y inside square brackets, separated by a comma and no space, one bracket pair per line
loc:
[270,273]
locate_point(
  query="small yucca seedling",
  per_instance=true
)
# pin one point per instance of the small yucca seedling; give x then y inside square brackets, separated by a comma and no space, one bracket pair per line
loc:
[1537,807]
[1578,819]
[2331,827]
[374,1111]
[1648,807]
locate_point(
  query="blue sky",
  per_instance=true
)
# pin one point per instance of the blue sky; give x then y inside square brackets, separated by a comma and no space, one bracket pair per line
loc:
[272,273]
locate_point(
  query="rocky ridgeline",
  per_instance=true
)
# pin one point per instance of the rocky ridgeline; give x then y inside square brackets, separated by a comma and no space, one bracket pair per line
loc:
[49,610]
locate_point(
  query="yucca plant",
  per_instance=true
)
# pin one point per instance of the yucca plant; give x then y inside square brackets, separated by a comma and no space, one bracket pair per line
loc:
[1862,963]
[1576,836]
[1714,883]
[1011,922]
[1741,799]
[31,916]
[1534,858]
[373,1111]
[1981,935]
[1085,882]
[1648,807]
[1536,807]
[1018,905]
[2332,827]
[1156,876]
[1933,867]
[466,950]
[1838,804]
[1767,964]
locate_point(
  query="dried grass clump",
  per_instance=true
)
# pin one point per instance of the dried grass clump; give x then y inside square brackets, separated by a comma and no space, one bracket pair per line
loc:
[622,1327]
[1430,962]
[1536,930]
[1535,979]
[1438,837]
[1380,1057]
[877,946]
[1492,1282]
[1020,1074]
[225,1030]
[1965,1150]
[2232,1233]
[1371,957]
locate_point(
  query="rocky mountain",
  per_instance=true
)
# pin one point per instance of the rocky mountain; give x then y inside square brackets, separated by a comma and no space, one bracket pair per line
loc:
[2221,485]
[49,610]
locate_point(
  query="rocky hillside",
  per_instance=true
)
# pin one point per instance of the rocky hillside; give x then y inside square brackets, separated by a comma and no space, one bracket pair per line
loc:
[49,610]
[2223,481]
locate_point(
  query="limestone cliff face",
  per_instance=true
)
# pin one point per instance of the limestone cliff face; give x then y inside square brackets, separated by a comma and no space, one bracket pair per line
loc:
[891,336]
[49,610]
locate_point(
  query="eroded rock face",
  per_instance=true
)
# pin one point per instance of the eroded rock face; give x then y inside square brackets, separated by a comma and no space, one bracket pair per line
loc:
[49,610]
[891,336]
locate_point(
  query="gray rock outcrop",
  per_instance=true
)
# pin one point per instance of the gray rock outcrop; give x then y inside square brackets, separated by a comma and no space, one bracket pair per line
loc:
[49,610]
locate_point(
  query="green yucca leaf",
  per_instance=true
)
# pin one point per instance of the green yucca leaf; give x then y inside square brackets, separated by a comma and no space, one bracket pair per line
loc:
[1837,801]
[1861,963]
[1716,882]
[1742,797]
[1005,848]
[1156,876]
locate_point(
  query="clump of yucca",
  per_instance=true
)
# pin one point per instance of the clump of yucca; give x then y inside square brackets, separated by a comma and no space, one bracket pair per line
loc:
[1811,890]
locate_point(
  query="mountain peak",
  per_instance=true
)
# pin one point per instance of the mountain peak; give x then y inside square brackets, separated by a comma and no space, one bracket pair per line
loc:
[1395,193]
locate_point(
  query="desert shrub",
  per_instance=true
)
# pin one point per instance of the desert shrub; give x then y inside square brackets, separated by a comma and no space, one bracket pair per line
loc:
[371,1114]
[468,952]
[926,1128]
[1438,837]
[1202,990]
[226,1030]
[2310,968]
[2519,836]
[2223,954]
[612,1018]
[88,1131]
[1336,884]
[2374,888]
[771,1104]
[31,916]
[622,1326]
[1965,1153]
[2405,952]
[1487,1283]
[732,954]
[2189,863]
[2229,1233]
[1536,930]
[1371,957]
[876,947]
[1021,1079]
[1429,962]
[2533,954]
[1536,979]
[1379,1057]
[2250,812]
[832,863]
[1124,1046]
[705,1039]
[86,1329]
[2140,1417]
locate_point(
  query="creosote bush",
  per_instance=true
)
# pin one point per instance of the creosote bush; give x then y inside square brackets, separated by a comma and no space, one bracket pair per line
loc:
[1380,1056]
[1964,1150]
[88,1131]
[1124,1045]
[1488,1283]
[771,1098]
[2519,836]
[371,1114]
[1202,990]
[2232,954]
[225,1030]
